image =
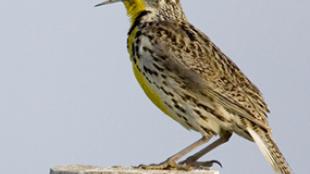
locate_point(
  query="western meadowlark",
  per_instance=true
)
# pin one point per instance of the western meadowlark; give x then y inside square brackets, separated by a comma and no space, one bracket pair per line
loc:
[194,82]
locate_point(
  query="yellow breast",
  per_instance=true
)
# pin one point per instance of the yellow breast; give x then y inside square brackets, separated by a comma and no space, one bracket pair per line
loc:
[151,91]
[152,94]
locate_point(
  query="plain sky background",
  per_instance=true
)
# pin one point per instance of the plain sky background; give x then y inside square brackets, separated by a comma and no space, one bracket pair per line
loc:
[68,95]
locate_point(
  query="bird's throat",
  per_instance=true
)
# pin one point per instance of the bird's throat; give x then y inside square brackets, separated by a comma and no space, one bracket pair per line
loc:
[134,8]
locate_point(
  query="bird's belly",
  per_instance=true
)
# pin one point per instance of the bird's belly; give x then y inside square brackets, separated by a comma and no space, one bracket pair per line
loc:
[161,99]
[149,91]
[168,101]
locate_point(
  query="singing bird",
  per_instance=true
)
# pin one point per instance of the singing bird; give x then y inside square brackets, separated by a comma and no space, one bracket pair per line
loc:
[192,81]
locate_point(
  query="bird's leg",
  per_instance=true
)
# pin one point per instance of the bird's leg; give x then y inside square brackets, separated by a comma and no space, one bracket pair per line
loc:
[171,163]
[192,160]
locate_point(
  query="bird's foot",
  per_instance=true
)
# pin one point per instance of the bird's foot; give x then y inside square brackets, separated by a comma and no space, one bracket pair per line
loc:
[193,164]
[166,165]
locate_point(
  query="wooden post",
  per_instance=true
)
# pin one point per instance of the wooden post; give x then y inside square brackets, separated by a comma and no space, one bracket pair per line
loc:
[85,169]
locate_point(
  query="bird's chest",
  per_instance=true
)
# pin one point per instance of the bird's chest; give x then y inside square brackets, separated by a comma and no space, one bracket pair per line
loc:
[151,75]
[139,49]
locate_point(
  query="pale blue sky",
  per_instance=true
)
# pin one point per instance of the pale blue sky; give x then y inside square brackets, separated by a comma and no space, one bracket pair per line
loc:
[68,95]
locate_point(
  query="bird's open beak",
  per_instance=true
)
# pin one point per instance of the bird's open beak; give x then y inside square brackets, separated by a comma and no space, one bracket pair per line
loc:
[107,2]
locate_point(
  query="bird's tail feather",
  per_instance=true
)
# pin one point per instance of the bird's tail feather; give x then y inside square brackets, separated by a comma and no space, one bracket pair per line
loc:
[270,150]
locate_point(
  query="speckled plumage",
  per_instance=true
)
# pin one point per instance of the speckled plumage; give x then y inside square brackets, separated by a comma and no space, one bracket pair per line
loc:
[194,64]
[193,81]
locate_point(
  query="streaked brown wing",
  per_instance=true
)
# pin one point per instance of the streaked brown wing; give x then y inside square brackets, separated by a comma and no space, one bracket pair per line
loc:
[207,71]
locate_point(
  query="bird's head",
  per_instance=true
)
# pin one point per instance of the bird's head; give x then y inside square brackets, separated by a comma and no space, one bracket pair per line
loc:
[162,8]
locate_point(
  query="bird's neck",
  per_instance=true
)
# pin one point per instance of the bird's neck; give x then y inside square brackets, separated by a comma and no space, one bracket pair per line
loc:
[171,12]
[167,12]
[134,8]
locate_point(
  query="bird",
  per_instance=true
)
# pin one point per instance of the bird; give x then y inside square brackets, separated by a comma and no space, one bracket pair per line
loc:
[193,82]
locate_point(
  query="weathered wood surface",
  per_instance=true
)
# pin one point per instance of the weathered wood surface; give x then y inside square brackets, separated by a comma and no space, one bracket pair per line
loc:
[85,169]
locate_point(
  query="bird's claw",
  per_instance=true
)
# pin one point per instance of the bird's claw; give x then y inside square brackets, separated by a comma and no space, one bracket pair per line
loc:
[200,164]
[166,165]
